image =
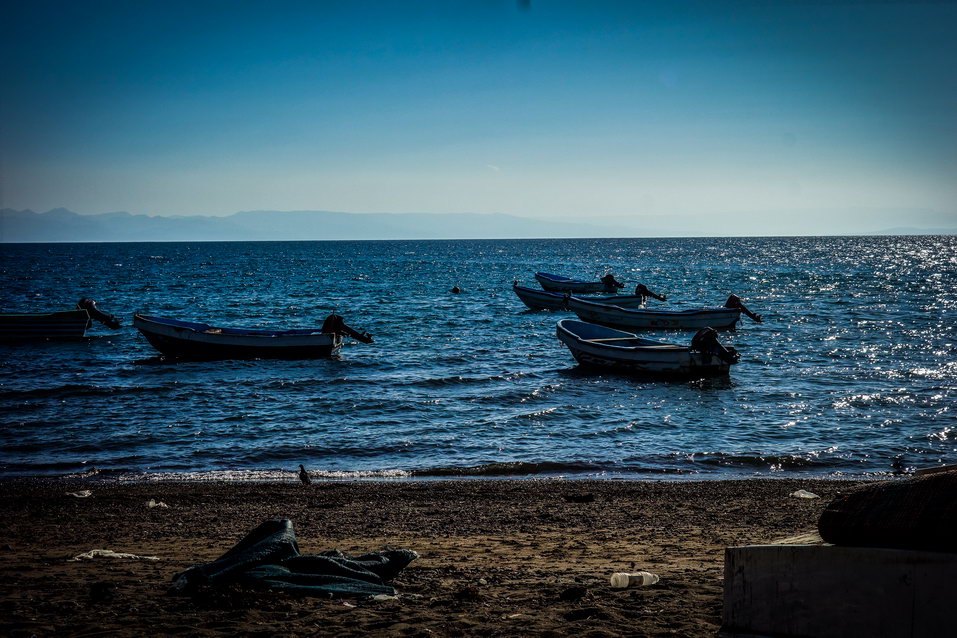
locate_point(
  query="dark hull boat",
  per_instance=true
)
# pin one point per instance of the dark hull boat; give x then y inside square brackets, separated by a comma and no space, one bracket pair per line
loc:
[558,283]
[544,300]
[64,324]
[199,341]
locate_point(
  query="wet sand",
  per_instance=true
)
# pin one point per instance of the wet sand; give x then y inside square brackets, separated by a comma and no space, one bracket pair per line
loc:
[497,558]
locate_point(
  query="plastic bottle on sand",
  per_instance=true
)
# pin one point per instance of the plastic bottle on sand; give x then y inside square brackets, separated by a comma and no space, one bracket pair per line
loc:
[636,579]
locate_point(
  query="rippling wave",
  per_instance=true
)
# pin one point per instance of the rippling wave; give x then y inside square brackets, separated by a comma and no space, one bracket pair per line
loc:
[852,373]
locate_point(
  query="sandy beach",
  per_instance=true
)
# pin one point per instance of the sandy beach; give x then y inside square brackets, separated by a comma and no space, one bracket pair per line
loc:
[497,558]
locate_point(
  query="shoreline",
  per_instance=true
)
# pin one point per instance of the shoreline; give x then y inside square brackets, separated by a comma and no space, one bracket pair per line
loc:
[280,475]
[495,556]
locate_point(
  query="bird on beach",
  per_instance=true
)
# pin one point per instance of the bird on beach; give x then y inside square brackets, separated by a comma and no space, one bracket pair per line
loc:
[898,464]
[304,475]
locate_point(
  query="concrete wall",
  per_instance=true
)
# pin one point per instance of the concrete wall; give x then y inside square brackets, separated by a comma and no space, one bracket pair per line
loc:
[824,591]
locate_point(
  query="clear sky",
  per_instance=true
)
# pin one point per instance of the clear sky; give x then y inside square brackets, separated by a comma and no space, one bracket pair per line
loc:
[533,108]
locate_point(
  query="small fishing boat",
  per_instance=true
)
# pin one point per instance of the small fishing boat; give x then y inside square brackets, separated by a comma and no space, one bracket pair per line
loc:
[557,283]
[724,318]
[199,341]
[62,324]
[544,300]
[594,345]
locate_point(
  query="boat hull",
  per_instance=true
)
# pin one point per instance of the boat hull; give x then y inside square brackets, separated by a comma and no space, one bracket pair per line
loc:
[554,283]
[544,300]
[66,324]
[210,344]
[615,351]
[638,319]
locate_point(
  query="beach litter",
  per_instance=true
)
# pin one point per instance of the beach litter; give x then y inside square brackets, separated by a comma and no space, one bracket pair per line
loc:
[150,504]
[381,597]
[621,580]
[268,558]
[80,494]
[109,553]
[804,494]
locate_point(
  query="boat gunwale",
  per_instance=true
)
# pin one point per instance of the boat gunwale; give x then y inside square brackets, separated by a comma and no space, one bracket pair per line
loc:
[651,345]
[561,279]
[37,315]
[210,330]
[645,312]
[520,290]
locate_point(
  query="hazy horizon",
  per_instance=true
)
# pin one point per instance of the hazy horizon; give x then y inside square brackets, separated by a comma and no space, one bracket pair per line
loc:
[558,111]
[61,225]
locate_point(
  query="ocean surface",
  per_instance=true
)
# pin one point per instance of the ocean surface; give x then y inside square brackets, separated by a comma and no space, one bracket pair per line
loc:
[853,372]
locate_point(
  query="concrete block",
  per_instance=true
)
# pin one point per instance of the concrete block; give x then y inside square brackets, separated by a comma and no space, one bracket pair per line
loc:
[824,591]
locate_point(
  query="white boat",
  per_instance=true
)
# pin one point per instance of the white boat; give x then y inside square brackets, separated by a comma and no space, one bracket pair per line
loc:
[558,283]
[723,318]
[594,345]
[544,300]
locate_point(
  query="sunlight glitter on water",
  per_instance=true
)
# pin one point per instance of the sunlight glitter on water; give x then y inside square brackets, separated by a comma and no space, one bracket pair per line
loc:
[853,366]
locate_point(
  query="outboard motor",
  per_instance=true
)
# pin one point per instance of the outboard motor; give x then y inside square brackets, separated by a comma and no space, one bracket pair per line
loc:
[335,325]
[706,341]
[611,284]
[641,290]
[565,299]
[735,302]
[95,313]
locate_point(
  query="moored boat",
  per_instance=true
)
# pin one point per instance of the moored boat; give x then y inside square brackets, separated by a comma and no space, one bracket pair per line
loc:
[199,341]
[62,324]
[724,318]
[558,283]
[544,300]
[594,345]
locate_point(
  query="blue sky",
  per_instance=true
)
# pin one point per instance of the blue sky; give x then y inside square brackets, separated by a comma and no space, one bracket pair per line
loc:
[554,109]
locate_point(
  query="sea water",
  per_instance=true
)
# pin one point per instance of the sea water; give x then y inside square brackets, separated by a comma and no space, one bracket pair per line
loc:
[853,372]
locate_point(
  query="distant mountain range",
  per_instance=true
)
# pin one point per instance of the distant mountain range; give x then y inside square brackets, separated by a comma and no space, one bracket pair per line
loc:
[61,225]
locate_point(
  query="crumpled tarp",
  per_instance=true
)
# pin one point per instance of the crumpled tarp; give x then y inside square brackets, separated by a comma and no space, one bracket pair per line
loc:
[268,557]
